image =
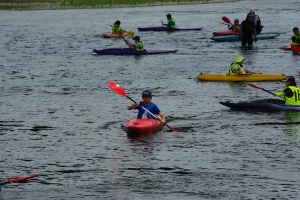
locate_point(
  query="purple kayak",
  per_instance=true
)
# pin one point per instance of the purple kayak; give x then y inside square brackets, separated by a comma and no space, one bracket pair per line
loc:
[162,28]
[128,51]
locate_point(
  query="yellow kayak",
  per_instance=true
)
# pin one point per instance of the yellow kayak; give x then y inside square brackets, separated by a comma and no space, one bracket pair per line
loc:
[242,77]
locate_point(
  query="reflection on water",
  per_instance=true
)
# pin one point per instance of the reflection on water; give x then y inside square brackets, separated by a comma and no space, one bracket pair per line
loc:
[294,127]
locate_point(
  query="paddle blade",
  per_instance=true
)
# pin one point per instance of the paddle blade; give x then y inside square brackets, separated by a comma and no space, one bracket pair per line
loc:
[117,88]
[225,19]
[130,33]
[218,21]
[23,178]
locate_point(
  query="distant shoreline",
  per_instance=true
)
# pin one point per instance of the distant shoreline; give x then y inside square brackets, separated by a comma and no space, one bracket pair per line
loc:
[57,6]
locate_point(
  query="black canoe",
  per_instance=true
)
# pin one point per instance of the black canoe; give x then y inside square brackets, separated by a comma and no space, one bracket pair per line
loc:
[261,104]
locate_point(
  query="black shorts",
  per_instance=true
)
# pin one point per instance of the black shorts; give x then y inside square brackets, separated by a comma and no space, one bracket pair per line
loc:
[247,39]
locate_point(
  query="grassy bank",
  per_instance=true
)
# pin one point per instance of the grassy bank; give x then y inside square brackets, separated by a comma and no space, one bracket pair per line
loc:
[64,4]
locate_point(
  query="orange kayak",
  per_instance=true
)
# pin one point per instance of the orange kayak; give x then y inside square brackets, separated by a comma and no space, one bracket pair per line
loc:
[112,35]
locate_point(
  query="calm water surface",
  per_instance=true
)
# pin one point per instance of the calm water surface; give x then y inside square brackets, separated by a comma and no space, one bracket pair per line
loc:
[59,118]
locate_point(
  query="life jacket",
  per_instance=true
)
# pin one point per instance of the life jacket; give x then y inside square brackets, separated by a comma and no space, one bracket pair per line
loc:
[236,28]
[173,23]
[295,99]
[239,67]
[144,114]
[298,38]
[140,48]
[115,30]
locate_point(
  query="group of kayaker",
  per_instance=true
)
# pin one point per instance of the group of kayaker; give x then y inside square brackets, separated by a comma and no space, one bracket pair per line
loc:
[249,27]
[291,93]
[137,45]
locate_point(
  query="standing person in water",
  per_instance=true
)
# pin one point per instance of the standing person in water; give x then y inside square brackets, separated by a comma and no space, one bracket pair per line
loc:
[247,30]
[257,22]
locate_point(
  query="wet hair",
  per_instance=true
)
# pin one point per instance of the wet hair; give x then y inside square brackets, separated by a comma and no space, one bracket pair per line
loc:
[296,28]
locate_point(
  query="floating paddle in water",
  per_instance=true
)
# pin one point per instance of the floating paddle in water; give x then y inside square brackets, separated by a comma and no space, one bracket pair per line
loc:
[255,86]
[22,179]
[119,90]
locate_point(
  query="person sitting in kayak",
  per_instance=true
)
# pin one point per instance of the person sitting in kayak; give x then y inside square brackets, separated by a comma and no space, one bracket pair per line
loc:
[147,104]
[296,37]
[117,28]
[235,27]
[171,22]
[236,68]
[291,93]
[138,45]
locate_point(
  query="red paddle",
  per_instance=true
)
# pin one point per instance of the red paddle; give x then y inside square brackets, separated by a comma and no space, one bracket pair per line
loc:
[255,86]
[119,90]
[225,19]
[15,180]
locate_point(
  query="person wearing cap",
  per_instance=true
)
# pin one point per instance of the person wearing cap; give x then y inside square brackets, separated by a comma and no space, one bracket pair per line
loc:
[248,29]
[235,27]
[237,68]
[147,104]
[138,45]
[171,22]
[257,22]
[291,93]
[117,28]
[296,37]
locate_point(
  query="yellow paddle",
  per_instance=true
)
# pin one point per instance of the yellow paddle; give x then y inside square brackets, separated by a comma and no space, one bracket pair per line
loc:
[220,22]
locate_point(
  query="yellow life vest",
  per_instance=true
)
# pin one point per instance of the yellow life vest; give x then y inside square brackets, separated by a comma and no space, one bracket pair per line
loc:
[295,99]
[115,30]
[298,38]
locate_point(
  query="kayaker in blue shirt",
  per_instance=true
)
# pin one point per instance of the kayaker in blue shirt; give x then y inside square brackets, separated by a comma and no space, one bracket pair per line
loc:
[296,37]
[171,22]
[138,45]
[147,104]
[291,93]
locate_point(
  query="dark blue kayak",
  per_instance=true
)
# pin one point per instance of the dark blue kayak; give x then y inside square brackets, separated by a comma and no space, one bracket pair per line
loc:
[262,105]
[231,38]
[128,51]
[162,28]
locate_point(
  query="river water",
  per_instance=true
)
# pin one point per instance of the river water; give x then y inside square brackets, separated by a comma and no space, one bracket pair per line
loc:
[59,118]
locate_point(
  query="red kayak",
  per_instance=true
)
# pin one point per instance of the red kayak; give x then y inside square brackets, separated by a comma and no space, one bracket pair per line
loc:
[295,48]
[225,33]
[292,48]
[140,126]
[112,35]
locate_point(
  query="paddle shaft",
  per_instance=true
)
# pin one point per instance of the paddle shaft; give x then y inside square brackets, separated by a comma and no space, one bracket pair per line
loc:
[150,113]
[255,86]
[126,41]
